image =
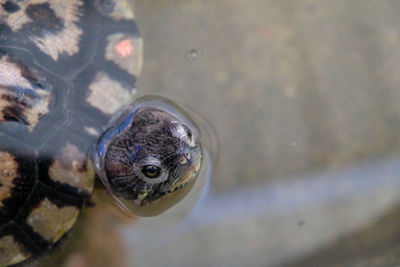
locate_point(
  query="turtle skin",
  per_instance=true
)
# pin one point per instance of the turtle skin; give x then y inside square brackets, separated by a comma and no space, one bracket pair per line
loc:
[65,68]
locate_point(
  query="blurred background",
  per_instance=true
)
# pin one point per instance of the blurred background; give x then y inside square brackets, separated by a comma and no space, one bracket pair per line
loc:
[304,97]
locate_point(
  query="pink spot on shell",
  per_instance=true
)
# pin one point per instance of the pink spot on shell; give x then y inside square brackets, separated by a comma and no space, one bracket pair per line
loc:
[124,48]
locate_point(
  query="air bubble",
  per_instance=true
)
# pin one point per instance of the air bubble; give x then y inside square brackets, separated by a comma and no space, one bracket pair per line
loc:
[193,54]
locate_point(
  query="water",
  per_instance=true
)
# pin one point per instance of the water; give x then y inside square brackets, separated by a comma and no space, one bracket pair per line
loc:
[301,94]
[304,98]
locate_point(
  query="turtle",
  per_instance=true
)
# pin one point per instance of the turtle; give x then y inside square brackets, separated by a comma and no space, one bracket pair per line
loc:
[70,115]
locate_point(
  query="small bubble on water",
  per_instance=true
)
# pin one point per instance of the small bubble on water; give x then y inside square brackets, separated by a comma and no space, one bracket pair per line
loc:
[193,54]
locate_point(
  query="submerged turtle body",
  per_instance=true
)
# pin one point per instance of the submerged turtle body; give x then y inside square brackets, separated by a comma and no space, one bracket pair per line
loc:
[67,80]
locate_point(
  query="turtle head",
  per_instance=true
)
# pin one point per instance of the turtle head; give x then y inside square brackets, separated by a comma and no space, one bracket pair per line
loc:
[149,157]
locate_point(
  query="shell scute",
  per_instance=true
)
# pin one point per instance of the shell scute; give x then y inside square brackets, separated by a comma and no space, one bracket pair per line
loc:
[59,61]
[24,95]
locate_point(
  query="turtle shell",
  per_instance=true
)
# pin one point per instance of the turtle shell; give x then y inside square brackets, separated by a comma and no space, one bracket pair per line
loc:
[65,68]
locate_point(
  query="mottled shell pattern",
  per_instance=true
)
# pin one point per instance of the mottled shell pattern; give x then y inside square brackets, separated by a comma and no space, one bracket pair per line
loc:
[65,68]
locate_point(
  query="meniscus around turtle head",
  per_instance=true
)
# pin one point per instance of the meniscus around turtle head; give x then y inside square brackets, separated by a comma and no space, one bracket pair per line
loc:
[149,157]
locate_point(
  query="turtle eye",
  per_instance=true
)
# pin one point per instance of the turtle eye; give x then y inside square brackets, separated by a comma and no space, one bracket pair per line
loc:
[151,171]
[188,132]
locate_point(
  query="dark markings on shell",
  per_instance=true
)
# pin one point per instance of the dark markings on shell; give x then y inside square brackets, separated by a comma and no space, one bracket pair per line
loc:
[44,19]
[29,189]
[24,94]
[65,72]
[10,7]
[84,79]
[14,113]
[31,241]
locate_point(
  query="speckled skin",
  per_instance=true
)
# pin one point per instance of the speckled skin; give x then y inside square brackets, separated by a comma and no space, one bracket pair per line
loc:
[155,139]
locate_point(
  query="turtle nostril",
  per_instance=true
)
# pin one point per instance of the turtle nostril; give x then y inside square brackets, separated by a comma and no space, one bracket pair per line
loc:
[187,155]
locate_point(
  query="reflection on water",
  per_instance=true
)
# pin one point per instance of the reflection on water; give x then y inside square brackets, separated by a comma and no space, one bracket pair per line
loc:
[272,224]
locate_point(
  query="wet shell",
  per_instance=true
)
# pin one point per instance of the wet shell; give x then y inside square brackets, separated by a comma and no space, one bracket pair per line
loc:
[65,67]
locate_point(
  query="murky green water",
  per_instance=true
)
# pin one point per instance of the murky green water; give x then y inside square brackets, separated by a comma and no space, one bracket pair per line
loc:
[304,97]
